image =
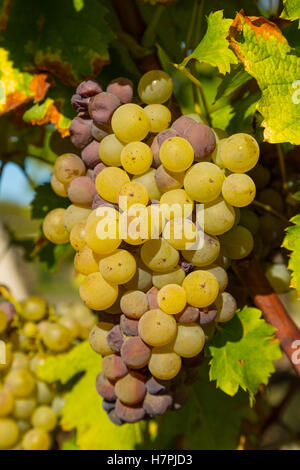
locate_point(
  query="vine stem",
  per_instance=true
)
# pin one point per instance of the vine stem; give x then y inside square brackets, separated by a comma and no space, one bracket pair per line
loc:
[250,272]
[282,167]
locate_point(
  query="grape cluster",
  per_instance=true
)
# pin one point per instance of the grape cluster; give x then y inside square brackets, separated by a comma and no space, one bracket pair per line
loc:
[29,407]
[159,291]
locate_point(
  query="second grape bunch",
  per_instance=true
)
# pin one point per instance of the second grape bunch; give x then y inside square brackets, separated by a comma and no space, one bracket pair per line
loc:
[154,268]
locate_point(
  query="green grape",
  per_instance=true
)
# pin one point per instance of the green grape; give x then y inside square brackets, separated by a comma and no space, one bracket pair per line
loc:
[174,276]
[168,180]
[279,277]
[180,233]
[176,154]
[142,280]
[59,188]
[98,338]
[226,307]
[190,340]
[20,383]
[132,193]
[77,236]
[134,304]
[136,158]
[130,123]
[30,329]
[201,288]
[57,405]
[9,433]
[44,394]
[159,255]
[6,402]
[118,268]
[24,407]
[164,363]
[109,182]
[249,220]
[54,228]
[238,190]
[271,198]
[86,261]
[68,167]
[160,117]
[97,293]
[157,328]
[34,308]
[260,175]
[36,439]
[148,180]
[74,215]
[172,299]
[56,337]
[237,243]
[23,426]
[216,155]
[3,321]
[239,153]
[155,87]
[203,182]
[72,325]
[219,217]
[102,235]
[176,204]
[205,252]
[220,274]
[110,149]
[44,418]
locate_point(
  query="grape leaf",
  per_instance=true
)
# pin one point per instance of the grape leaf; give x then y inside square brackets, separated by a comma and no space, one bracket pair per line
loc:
[292,243]
[291,10]
[214,48]
[47,112]
[45,200]
[232,81]
[83,409]
[201,422]
[268,58]
[243,352]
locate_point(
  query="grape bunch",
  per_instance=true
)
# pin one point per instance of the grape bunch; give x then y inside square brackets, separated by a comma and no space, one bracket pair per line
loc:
[154,220]
[30,407]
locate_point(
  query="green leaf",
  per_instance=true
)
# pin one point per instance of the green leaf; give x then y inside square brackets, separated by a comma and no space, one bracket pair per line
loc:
[83,409]
[45,200]
[214,48]
[70,445]
[78,4]
[292,243]
[232,81]
[268,58]
[45,113]
[200,424]
[243,352]
[291,10]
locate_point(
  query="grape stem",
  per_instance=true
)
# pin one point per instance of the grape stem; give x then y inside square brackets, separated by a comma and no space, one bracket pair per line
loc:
[268,208]
[282,167]
[252,276]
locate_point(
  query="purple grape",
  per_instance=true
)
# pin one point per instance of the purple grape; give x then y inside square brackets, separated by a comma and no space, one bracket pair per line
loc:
[186,266]
[112,415]
[98,202]
[129,414]
[9,309]
[182,124]
[135,353]
[131,389]
[115,338]
[81,132]
[98,133]
[152,298]
[188,315]
[122,88]
[102,107]
[97,169]
[208,314]
[105,388]
[155,386]
[108,405]
[90,154]
[88,88]
[129,326]
[202,139]
[156,405]
[157,143]
[82,190]
[113,367]
[80,104]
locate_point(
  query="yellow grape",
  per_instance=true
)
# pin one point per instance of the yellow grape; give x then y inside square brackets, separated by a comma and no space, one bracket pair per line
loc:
[110,149]
[24,407]
[54,228]
[134,304]
[190,340]
[176,204]
[6,402]
[238,190]
[205,251]
[109,182]
[155,86]
[20,383]
[203,182]
[180,233]
[77,236]
[174,276]
[218,217]
[176,154]
[136,158]
[164,363]
[36,439]
[59,188]
[68,167]
[102,236]
[44,418]
[86,261]
[159,255]
[172,299]
[97,338]
[239,153]
[159,115]
[132,193]
[9,433]
[148,180]
[201,288]
[130,123]
[157,328]
[56,337]
[3,321]
[118,268]
[216,155]
[97,293]
[74,215]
